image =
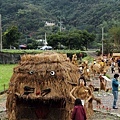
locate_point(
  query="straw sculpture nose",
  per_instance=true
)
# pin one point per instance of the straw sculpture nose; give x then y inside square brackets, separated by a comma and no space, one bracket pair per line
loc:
[38,92]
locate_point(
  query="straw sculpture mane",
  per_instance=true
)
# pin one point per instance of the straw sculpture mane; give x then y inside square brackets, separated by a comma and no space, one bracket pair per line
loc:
[39,87]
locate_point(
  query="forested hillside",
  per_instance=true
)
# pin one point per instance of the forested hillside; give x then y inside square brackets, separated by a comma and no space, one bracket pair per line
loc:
[30,15]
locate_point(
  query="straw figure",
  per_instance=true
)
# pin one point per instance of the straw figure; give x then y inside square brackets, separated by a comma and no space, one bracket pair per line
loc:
[39,87]
[85,93]
[99,68]
[74,59]
[84,70]
[103,84]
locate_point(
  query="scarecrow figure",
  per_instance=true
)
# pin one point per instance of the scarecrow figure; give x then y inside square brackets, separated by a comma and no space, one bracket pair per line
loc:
[85,93]
[74,59]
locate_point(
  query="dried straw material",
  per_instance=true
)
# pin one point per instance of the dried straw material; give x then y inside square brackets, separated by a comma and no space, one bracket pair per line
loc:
[38,80]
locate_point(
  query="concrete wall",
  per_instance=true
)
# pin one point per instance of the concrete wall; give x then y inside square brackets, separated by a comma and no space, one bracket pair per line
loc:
[9,58]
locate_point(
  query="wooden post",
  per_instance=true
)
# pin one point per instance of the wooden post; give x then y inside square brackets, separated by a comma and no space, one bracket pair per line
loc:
[4,87]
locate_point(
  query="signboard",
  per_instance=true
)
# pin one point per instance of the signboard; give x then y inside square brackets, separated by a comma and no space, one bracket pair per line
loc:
[106,78]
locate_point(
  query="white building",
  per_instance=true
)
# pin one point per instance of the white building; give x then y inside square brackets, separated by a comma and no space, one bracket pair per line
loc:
[49,24]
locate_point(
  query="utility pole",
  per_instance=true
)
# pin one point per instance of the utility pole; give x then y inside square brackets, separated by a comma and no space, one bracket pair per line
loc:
[45,41]
[60,25]
[0,35]
[102,41]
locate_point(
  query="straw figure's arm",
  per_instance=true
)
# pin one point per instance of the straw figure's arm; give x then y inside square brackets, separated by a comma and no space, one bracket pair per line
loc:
[89,92]
[98,100]
[71,93]
[86,101]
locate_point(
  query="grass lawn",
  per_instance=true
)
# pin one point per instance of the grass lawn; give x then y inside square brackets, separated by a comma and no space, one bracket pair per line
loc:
[6,71]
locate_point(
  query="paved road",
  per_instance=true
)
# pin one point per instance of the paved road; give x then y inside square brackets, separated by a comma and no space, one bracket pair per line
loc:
[106,98]
[91,52]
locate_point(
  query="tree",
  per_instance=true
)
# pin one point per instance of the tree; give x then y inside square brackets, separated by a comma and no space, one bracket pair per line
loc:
[108,46]
[115,35]
[11,36]
[76,39]
[87,38]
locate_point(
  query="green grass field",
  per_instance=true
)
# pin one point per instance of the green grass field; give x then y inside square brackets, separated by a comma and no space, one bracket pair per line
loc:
[6,71]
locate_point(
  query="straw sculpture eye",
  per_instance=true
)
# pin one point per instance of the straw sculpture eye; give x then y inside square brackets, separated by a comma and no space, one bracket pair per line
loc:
[31,72]
[52,73]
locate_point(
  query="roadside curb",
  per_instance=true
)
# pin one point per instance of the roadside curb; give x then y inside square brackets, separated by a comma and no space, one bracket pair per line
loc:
[110,113]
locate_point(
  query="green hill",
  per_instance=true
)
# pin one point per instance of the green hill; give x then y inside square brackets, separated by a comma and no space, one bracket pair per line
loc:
[30,15]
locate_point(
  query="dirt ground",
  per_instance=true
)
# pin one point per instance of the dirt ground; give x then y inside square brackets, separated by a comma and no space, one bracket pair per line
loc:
[96,116]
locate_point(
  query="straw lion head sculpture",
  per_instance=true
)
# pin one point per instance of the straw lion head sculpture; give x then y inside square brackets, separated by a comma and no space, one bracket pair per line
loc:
[39,87]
